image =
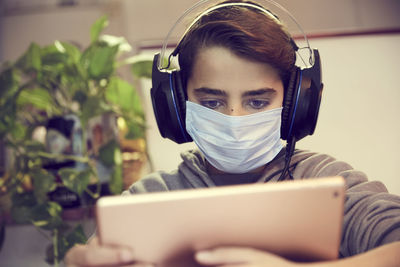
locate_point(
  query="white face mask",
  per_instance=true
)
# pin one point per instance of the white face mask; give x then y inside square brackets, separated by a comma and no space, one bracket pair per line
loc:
[235,144]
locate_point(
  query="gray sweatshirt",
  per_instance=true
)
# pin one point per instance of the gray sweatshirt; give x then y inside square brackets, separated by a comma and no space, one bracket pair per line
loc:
[371,214]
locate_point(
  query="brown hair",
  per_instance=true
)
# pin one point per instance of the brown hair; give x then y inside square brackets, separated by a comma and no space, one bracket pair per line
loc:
[246,31]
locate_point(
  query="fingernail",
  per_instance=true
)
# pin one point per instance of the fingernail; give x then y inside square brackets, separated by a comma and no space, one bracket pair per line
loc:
[126,255]
[203,255]
[143,265]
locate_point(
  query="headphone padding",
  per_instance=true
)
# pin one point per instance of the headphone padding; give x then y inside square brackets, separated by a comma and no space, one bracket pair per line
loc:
[287,112]
[180,95]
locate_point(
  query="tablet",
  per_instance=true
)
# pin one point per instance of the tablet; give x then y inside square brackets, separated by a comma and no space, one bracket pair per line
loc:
[299,220]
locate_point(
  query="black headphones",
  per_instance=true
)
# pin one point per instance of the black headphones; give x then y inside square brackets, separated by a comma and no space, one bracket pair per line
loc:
[300,105]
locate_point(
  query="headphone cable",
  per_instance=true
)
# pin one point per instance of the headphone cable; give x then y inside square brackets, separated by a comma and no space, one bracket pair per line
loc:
[288,156]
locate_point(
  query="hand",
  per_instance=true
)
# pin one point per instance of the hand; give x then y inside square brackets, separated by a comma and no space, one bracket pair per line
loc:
[93,254]
[240,257]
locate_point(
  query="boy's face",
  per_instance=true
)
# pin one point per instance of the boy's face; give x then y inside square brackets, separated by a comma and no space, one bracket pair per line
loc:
[233,85]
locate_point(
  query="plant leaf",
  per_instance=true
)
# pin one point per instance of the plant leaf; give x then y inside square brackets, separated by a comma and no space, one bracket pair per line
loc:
[18,130]
[43,183]
[110,153]
[54,54]
[65,241]
[38,97]
[76,181]
[8,112]
[47,215]
[99,60]
[92,107]
[116,181]
[142,69]
[34,146]
[72,51]
[141,65]
[2,233]
[8,84]
[31,59]
[111,156]
[98,27]
[135,130]
[110,40]
[22,205]
[123,94]
[21,214]
[6,124]
[76,236]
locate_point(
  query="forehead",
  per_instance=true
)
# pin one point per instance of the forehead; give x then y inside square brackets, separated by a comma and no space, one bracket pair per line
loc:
[219,68]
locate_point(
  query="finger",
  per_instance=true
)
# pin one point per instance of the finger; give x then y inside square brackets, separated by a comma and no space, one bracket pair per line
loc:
[227,255]
[84,255]
[93,241]
[140,265]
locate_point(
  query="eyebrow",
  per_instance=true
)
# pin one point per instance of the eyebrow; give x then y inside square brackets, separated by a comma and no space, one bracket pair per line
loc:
[218,92]
[209,91]
[262,91]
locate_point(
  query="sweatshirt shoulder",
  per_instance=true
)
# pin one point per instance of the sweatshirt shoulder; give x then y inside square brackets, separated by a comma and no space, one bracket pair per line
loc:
[371,214]
[311,164]
[190,173]
[157,182]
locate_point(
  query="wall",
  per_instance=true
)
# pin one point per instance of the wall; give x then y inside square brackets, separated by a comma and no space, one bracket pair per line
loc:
[147,21]
[20,27]
[359,110]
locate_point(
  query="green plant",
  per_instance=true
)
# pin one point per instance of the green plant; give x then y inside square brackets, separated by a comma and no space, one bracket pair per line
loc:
[59,80]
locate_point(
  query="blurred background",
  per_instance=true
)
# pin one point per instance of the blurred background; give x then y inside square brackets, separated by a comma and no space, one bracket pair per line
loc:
[358,41]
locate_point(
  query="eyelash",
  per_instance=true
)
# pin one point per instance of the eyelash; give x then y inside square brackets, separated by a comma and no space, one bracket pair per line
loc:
[217,104]
[264,103]
[208,103]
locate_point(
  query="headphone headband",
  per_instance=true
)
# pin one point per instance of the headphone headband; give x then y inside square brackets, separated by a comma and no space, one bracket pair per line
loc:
[204,3]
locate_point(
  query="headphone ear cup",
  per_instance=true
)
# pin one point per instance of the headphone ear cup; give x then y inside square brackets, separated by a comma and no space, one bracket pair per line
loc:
[289,103]
[302,101]
[180,95]
[169,104]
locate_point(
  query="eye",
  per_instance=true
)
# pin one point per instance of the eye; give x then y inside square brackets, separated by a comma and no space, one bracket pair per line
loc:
[258,103]
[212,104]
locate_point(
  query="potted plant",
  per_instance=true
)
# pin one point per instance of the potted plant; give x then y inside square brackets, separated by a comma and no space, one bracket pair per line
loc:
[55,87]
